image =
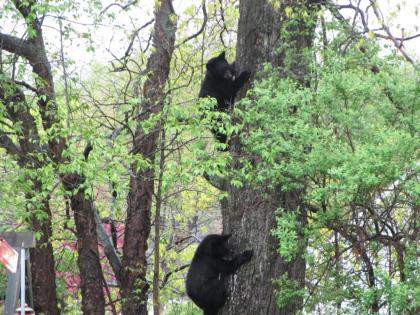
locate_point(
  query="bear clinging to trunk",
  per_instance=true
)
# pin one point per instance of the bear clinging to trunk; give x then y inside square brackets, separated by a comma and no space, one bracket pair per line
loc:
[205,285]
[221,83]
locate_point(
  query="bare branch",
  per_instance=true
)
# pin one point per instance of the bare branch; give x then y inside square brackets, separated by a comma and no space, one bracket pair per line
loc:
[397,41]
[224,28]
[205,18]
[123,7]
[388,31]
[358,11]
[133,37]
[167,276]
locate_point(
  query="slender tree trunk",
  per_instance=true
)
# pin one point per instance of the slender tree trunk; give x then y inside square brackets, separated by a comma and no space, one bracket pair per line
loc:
[134,286]
[43,268]
[42,262]
[156,264]
[250,212]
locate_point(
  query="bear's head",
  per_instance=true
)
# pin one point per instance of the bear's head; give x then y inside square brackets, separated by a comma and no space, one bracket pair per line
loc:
[220,69]
[215,245]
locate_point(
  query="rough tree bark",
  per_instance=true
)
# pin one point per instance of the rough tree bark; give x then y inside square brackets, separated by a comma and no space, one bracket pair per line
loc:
[42,263]
[134,286]
[249,212]
[33,50]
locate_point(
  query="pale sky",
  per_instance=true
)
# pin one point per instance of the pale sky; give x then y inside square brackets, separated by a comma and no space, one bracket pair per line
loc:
[111,37]
[398,15]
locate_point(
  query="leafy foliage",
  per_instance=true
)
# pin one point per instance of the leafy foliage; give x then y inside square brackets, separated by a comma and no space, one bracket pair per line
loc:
[351,141]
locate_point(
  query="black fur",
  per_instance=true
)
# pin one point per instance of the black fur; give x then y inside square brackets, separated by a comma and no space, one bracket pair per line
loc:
[221,83]
[205,285]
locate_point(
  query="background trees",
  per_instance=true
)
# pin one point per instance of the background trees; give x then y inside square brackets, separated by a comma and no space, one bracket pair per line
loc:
[320,178]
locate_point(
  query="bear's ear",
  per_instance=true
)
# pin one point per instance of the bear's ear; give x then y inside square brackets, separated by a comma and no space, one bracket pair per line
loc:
[222,56]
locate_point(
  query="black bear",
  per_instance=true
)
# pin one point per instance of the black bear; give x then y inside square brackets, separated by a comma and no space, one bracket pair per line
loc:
[205,285]
[221,83]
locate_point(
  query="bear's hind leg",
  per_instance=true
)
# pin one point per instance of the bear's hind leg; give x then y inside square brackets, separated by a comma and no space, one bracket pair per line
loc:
[209,311]
[212,296]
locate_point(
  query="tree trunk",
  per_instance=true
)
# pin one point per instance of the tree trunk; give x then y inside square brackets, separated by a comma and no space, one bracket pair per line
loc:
[250,212]
[42,262]
[91,277]
[134,286]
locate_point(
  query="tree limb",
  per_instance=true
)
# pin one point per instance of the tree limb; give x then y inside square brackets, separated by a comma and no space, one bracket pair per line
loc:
[166,278]
[364,21]
[18,46]
[205,18]
[8,144]
[388,32]
[216,181]
[24,9]
[106,241]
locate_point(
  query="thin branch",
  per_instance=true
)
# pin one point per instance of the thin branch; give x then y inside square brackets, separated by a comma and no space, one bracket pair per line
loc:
[170,273]
[123,7]
[133,37]
[205,19]
[65,76]
[407,38]
[397,41]
[358,11]
[388,31]
[224,28]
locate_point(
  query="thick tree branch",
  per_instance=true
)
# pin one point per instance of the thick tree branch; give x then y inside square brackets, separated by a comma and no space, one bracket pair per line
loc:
[8,144]
[24,9]
[18,46]
[216,181]
[28,86]
[134,285]
[109,249]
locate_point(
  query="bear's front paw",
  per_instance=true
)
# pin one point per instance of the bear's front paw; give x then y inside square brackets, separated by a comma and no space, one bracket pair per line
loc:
[247,255]
[245,75]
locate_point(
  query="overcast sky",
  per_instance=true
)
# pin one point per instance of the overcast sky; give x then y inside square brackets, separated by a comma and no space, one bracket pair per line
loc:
[111,37]
[398,14]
